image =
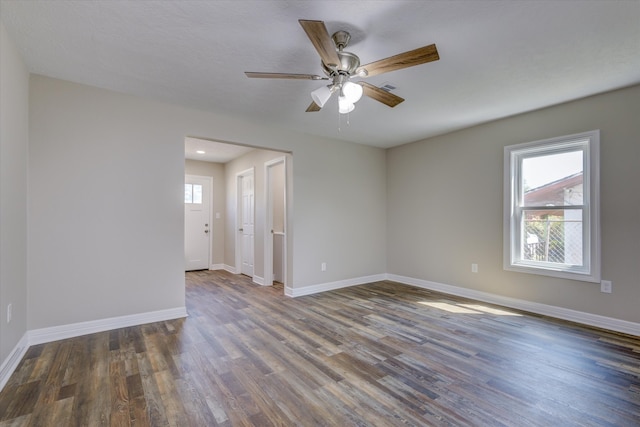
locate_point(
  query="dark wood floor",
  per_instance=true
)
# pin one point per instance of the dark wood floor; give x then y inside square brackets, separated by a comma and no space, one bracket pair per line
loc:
[373,355]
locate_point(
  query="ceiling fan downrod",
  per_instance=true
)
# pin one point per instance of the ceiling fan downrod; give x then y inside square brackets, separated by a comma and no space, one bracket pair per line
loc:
[341,39]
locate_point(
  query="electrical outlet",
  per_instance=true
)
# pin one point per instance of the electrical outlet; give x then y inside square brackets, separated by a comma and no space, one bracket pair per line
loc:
[9,312]
[323,266]
[474,268]
[605,286]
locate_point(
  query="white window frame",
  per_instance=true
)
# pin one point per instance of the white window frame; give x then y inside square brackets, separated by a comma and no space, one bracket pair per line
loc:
[513,195]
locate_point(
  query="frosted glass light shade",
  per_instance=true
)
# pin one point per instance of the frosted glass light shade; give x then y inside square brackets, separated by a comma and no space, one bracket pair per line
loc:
[352,91]
[344,106]
[321,95]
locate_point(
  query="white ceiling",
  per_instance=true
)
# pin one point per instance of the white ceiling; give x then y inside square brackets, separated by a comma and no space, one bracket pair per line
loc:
[497,58]
[212,151]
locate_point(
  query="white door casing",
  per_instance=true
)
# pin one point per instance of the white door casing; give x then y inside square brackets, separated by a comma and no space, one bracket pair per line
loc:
[246,219]
[269,168]
[197,222]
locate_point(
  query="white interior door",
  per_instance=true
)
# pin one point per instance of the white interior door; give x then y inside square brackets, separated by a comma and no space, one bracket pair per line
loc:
[247,208]
[197,222]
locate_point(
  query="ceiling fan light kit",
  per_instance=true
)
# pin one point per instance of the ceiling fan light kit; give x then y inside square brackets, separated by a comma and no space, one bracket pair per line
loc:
[339,66]
[344,106]
[352,91]
[321,95]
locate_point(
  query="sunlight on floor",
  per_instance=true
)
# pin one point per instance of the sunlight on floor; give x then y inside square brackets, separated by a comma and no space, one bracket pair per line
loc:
[449,307]
[491,310]
[467,308]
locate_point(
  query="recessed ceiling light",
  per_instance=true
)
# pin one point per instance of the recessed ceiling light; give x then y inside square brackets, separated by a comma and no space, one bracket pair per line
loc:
[200,152]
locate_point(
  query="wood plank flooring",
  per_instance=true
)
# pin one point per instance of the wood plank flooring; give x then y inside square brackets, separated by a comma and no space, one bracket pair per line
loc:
[381,354]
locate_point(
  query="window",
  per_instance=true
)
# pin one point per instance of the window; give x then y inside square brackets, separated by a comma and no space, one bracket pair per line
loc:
[193,193]
[551,207]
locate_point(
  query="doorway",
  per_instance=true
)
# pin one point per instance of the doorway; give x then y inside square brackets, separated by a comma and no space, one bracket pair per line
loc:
[197,222]
[275,238]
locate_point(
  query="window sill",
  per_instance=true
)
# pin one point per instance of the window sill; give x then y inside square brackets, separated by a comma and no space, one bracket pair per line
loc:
[561,274]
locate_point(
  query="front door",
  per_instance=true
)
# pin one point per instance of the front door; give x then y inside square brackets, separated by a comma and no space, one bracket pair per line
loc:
[197,222]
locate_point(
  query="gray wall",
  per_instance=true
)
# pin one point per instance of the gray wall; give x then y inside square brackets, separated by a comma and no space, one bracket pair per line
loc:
[106,210]
[342,218]
[14,113]
[445,206]
[104,177]
[215,171]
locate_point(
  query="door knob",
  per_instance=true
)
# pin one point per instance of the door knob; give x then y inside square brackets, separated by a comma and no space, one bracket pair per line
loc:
[206,231]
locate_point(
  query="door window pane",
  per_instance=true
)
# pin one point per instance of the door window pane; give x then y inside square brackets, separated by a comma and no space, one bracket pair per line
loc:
[188,193]
[197,194]
[193,194]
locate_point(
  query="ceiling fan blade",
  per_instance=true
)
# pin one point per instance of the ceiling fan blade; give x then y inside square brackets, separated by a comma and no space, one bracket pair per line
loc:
[380,95]
[319,36]
[254,75]
[418,56]
[313,107]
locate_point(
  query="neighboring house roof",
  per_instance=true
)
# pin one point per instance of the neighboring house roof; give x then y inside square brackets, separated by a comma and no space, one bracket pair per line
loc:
[552,193]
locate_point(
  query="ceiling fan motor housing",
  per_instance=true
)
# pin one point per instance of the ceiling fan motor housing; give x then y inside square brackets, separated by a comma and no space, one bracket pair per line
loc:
[349,62]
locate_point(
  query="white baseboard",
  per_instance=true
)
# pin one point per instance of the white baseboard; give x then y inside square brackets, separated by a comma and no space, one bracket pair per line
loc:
[258,280]
[217,267]
[231,269]
[54,333]
[11,362]
[589,319]
[322,287]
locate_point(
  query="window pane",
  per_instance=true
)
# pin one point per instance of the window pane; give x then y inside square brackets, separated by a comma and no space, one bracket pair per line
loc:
[552,236]
[553,179]
[197,194]
[188,193]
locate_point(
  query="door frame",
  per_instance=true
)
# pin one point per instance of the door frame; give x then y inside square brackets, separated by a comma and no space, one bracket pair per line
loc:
[238,225]
[268,235]
[209,179]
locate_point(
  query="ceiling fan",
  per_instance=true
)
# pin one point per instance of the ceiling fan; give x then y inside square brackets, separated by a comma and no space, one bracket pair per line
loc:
[340,66]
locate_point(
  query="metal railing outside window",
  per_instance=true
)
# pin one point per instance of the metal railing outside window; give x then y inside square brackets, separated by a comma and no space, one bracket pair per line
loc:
[554,240]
